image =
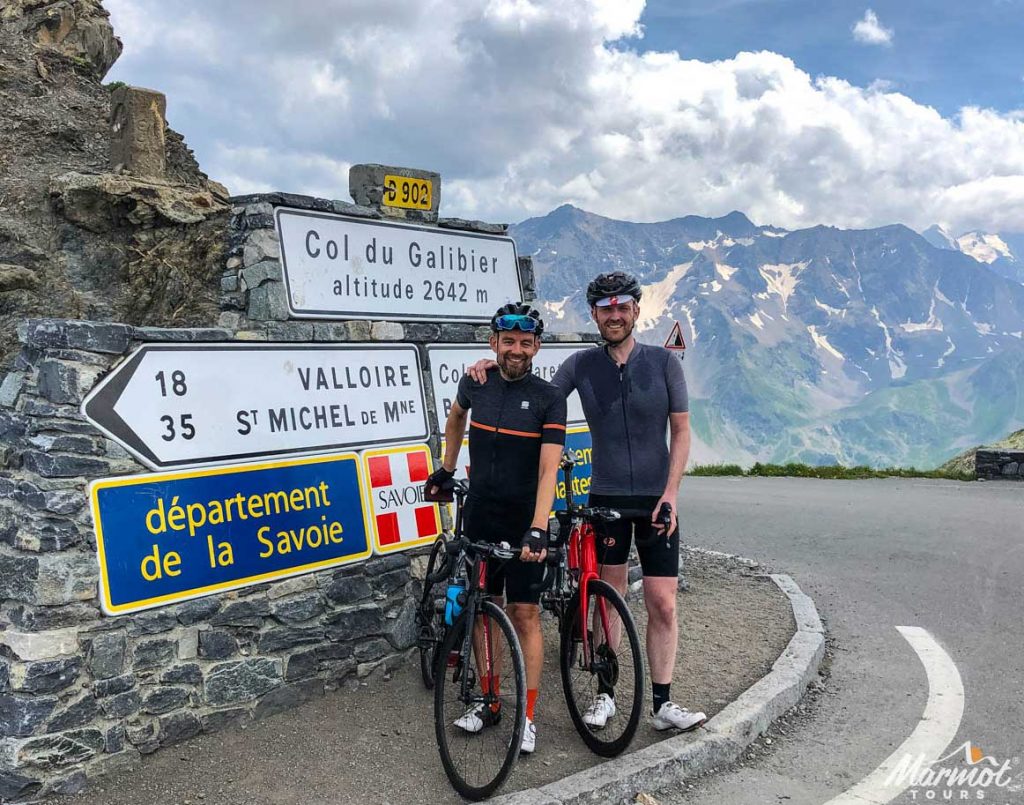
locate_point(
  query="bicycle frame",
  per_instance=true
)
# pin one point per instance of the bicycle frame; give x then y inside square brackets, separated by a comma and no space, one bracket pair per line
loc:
[581,559]
[478,586]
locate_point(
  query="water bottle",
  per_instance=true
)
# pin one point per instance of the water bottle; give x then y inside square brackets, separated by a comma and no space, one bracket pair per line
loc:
[454,598]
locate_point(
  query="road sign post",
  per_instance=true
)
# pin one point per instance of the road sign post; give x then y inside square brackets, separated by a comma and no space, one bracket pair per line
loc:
[448,363]
[169,537]
[401,517]
[175,406]
[336,266]
[675,342]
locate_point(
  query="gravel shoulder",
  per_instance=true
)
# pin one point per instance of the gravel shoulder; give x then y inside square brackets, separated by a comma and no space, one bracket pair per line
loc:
[372,741]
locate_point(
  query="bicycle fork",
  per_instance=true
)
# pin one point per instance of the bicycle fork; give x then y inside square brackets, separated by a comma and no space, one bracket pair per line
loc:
[587,562]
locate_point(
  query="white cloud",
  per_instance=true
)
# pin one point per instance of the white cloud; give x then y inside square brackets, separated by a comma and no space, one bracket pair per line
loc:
[523,105]
[870,31]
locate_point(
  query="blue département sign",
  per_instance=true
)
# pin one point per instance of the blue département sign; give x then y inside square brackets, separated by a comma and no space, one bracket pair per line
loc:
[168,537]
[577,442]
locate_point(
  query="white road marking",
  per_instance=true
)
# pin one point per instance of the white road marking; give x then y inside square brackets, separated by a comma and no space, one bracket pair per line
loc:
[936,730]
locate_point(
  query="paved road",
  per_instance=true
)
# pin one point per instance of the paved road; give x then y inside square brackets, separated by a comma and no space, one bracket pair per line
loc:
[876,554]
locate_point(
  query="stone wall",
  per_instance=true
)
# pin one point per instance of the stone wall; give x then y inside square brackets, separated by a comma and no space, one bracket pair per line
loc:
[81,693]
[1001,464]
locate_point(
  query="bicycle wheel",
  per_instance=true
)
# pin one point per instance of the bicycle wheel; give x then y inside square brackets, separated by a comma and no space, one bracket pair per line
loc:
[604,665]
[430,616]
[487,694]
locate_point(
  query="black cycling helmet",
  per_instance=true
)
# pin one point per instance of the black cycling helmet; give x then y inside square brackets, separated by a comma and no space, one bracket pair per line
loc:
[517,316]
[614,283]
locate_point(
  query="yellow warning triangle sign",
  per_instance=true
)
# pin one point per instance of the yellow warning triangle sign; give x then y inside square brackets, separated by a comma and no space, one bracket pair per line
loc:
[675,338]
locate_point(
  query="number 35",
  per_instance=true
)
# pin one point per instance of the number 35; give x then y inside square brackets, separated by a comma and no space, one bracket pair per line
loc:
[188,430]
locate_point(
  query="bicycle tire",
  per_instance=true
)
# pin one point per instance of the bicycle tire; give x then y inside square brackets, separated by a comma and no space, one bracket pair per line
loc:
[625,674]
[499,748]
[431,621]
[439,561]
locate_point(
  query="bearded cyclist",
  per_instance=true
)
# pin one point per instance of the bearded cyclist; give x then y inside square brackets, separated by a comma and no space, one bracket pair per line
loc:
[515,443]
[631,393]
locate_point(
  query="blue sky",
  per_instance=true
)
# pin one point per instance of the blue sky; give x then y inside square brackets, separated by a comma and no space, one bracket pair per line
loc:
[944,53]
[795,112]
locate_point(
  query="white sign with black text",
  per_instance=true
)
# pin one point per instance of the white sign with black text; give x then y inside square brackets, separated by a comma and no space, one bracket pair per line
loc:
[335,266]
[448,363]
[175,406]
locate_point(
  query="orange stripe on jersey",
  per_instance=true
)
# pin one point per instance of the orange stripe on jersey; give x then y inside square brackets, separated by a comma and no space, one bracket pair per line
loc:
[493,429]
[556,427]
[519,433]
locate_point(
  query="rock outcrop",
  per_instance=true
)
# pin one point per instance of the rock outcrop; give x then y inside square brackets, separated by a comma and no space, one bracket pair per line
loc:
[76,239]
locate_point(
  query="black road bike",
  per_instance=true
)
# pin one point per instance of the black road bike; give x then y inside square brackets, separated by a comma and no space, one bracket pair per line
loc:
[471,657]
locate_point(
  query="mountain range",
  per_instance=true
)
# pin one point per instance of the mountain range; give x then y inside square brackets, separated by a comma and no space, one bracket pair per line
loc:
[877,346]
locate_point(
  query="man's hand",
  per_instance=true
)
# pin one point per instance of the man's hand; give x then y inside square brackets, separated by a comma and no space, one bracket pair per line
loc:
[478,371]
[665,501]
[439,485]
[535,545]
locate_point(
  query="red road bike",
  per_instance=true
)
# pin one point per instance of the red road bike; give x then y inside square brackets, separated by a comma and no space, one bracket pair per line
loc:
[599,645]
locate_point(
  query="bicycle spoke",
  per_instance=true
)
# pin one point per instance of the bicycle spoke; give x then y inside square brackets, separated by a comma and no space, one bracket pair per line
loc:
[611,663]
[491,699]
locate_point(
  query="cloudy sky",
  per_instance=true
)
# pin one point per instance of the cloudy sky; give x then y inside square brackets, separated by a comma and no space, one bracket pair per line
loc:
[796,112]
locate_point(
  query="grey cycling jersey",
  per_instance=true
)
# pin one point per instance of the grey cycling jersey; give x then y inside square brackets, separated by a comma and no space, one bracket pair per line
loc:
[627,410]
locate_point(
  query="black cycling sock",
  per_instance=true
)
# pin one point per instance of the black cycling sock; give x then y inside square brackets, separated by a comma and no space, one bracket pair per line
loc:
[604,687]
[661,694]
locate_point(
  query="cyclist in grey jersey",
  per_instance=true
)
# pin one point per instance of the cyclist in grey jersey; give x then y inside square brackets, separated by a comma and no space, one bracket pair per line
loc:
[622,403]
[633,393]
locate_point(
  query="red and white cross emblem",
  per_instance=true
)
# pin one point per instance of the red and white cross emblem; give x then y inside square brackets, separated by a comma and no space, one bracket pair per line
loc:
[396,481]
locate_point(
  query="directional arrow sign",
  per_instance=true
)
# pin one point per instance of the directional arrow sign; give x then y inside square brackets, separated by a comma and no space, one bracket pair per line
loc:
[175,406]
[448,363]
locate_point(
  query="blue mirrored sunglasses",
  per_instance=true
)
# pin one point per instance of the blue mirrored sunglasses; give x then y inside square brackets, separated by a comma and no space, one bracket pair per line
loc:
[516,322]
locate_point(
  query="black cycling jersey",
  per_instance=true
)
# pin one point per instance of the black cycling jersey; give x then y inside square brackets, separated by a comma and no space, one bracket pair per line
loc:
[627,408]
[511,420]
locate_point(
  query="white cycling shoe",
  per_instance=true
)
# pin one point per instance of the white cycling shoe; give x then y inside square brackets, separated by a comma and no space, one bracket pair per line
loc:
[477,717]
[672,716]
[529,744]
[600,710]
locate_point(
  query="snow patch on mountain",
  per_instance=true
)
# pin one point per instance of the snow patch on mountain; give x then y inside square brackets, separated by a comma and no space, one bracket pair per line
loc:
[755,319]
[931,324]
[832,311]
[897,367]
[947,353]
[984,247]
[725,271]
[657,296]
[557,309]
[689,321]
[782,278]
[821,342]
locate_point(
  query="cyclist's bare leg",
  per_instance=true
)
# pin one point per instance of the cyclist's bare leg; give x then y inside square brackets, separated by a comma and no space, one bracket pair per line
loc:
[617,576]
[662,626]
[526,620]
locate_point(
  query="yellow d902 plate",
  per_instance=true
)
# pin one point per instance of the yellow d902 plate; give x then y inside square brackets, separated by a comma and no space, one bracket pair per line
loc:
[408,193]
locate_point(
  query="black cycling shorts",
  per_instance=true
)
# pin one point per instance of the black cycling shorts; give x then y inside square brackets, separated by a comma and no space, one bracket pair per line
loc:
[659,556]
[494,522]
